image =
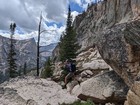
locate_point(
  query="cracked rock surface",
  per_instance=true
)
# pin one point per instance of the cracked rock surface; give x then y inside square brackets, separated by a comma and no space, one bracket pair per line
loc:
[33,91]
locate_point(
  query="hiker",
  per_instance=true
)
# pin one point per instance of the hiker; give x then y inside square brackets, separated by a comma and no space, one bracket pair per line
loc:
[71,68]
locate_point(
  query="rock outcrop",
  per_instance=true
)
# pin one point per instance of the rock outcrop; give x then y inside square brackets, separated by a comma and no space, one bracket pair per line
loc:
[91,60]
[113,26]
[133,97]
[33,91]
[10,96]
[119,47]
[89,63]
[108,26]
[103,88]
[102,16]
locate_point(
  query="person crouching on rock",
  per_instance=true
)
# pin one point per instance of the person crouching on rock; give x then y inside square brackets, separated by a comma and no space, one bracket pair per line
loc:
[71,68]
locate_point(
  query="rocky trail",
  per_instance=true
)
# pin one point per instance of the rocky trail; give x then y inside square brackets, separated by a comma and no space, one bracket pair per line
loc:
[33,91]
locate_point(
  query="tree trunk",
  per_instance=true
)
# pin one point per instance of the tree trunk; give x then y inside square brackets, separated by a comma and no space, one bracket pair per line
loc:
[38,45]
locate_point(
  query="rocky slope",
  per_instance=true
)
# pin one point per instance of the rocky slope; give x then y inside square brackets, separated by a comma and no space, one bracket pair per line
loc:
[113,26]
[33,91]
[89,63]
[103,88]
[109,33]
[107,25]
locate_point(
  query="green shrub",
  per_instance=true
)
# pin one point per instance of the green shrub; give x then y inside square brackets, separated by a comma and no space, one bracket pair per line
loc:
[47,72]
[25,68]
[63,73]
[88,102]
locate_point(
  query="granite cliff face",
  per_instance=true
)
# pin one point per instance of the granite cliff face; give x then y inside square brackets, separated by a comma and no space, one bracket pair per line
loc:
[101,16]
[26,52]
[112,26]
[108,33]
[46,51]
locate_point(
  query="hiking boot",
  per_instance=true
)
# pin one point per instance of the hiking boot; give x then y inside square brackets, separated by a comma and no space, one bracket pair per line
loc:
[79,82]
[64,87]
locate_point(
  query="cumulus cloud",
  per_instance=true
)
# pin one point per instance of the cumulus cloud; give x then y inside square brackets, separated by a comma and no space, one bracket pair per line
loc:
[25,13]
[12,10]
[83,3]
[52,35]
[74,14]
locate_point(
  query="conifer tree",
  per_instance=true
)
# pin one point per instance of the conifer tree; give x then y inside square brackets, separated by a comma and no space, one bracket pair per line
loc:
[24,69]
[20,70]
[11,55]
[68,46]
[48,72]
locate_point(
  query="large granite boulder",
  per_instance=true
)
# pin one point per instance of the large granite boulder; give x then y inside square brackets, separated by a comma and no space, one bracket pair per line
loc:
[33,91]
[120,48]
[103,88]
[133,96]
[9,96]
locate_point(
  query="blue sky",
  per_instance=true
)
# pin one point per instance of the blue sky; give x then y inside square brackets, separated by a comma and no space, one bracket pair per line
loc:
[76,7]
[25,13]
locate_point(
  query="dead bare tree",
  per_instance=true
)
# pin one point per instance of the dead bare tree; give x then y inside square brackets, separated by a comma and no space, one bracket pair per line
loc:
[39,32]
[38,42]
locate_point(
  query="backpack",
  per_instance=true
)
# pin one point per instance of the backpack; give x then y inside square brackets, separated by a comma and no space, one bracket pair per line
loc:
[73,67]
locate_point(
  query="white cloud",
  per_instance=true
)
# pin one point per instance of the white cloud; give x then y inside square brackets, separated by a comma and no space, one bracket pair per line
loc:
[52,35]
[74,14]
[25,13]
[83,3]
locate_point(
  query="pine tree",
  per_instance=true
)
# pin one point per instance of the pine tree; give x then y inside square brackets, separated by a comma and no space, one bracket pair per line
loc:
[48,72]
[24,69]
[20,70]
[68,46]
[11,56]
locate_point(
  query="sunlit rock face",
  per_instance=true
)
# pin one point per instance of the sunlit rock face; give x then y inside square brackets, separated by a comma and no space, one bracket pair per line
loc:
[109,37]
[113,27]
[103,88]
[133,96]
[119,47]
[91,60]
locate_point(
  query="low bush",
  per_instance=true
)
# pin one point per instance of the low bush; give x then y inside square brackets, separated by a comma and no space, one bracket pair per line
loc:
[88,102]
[47,72]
